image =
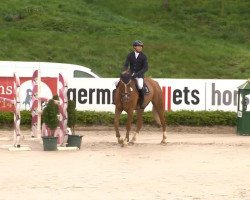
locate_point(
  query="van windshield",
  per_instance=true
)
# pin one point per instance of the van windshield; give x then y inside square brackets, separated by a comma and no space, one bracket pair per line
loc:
[81,74]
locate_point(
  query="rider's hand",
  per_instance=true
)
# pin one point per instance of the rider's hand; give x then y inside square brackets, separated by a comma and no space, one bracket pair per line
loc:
[133,75]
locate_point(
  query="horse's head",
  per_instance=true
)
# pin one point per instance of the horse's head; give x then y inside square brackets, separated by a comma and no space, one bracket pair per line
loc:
[126,86]
[126,77]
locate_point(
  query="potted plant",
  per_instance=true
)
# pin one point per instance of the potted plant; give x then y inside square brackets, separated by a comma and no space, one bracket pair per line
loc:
[73,139]
[50,118]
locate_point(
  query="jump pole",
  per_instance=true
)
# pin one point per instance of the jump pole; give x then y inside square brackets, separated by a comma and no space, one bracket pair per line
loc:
[39,108]
[63,107]
[17,114]
[36,104]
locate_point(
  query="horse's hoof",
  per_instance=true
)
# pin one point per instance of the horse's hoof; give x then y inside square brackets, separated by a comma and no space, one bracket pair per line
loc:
[132,141]
[120,141]
[164,142]
[124,143]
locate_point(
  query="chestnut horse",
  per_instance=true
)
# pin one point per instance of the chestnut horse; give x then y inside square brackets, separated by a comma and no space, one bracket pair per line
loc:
[126,98]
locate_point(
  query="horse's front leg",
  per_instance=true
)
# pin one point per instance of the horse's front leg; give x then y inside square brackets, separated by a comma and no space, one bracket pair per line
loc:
[128,125]
[138,125]
[116,123]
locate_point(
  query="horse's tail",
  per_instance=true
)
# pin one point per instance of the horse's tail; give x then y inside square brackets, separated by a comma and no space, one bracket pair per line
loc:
[156,116]
[158,108]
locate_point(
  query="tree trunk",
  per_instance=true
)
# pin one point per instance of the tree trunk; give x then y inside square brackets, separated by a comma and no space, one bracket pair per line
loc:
[165,4]
[222,8]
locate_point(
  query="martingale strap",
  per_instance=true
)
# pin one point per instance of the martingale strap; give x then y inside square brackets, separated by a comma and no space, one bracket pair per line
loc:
[126,86]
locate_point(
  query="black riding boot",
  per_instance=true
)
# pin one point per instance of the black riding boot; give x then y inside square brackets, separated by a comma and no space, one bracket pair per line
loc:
[141,98]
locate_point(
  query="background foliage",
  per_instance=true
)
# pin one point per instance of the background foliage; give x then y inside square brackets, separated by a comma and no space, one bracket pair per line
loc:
[189,39]
[90,118]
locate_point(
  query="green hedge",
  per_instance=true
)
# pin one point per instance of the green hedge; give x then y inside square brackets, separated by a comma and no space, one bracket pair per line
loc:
[187,118]
[201,118]
[6,119]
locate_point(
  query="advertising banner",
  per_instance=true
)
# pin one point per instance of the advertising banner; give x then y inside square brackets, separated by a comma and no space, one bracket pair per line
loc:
[178,94]
[48,89]
[95,94]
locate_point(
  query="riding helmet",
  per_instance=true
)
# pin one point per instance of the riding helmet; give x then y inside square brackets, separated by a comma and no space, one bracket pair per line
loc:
[138,43]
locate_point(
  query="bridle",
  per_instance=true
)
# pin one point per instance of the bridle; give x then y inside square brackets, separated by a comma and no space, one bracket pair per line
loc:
[127,91]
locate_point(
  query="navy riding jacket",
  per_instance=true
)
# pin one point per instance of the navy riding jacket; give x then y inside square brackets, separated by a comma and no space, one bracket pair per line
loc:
[137,65]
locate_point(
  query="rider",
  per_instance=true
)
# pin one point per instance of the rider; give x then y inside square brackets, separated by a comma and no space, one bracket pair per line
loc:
[136,62]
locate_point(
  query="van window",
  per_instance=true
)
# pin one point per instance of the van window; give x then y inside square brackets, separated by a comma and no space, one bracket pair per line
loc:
[81,74]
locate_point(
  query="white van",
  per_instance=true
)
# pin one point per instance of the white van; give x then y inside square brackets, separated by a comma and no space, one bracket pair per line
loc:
[47,69]
[49,73]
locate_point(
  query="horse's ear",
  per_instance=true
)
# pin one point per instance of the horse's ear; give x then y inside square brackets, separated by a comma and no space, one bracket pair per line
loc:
[124,72]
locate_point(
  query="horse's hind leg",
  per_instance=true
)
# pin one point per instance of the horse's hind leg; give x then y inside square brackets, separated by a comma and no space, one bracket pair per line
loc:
[163,123]
[116,123]
[160,111]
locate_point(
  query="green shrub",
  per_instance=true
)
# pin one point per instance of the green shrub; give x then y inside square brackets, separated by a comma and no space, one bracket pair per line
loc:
[26,118]
[201,118]
[49,116]
[6,119]
[187,118]
[71,110]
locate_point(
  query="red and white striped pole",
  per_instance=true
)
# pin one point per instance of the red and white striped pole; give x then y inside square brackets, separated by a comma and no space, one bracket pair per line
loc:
[36,105]
[63,107]
[34,108]
[17,114]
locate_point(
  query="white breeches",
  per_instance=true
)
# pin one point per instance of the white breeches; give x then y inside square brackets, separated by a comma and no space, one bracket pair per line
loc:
[139,82]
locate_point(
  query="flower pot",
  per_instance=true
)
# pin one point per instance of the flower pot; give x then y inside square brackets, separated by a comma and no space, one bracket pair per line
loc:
[74,141]
[49,143]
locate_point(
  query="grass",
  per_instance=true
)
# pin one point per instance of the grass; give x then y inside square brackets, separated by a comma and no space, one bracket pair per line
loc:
[189,39]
